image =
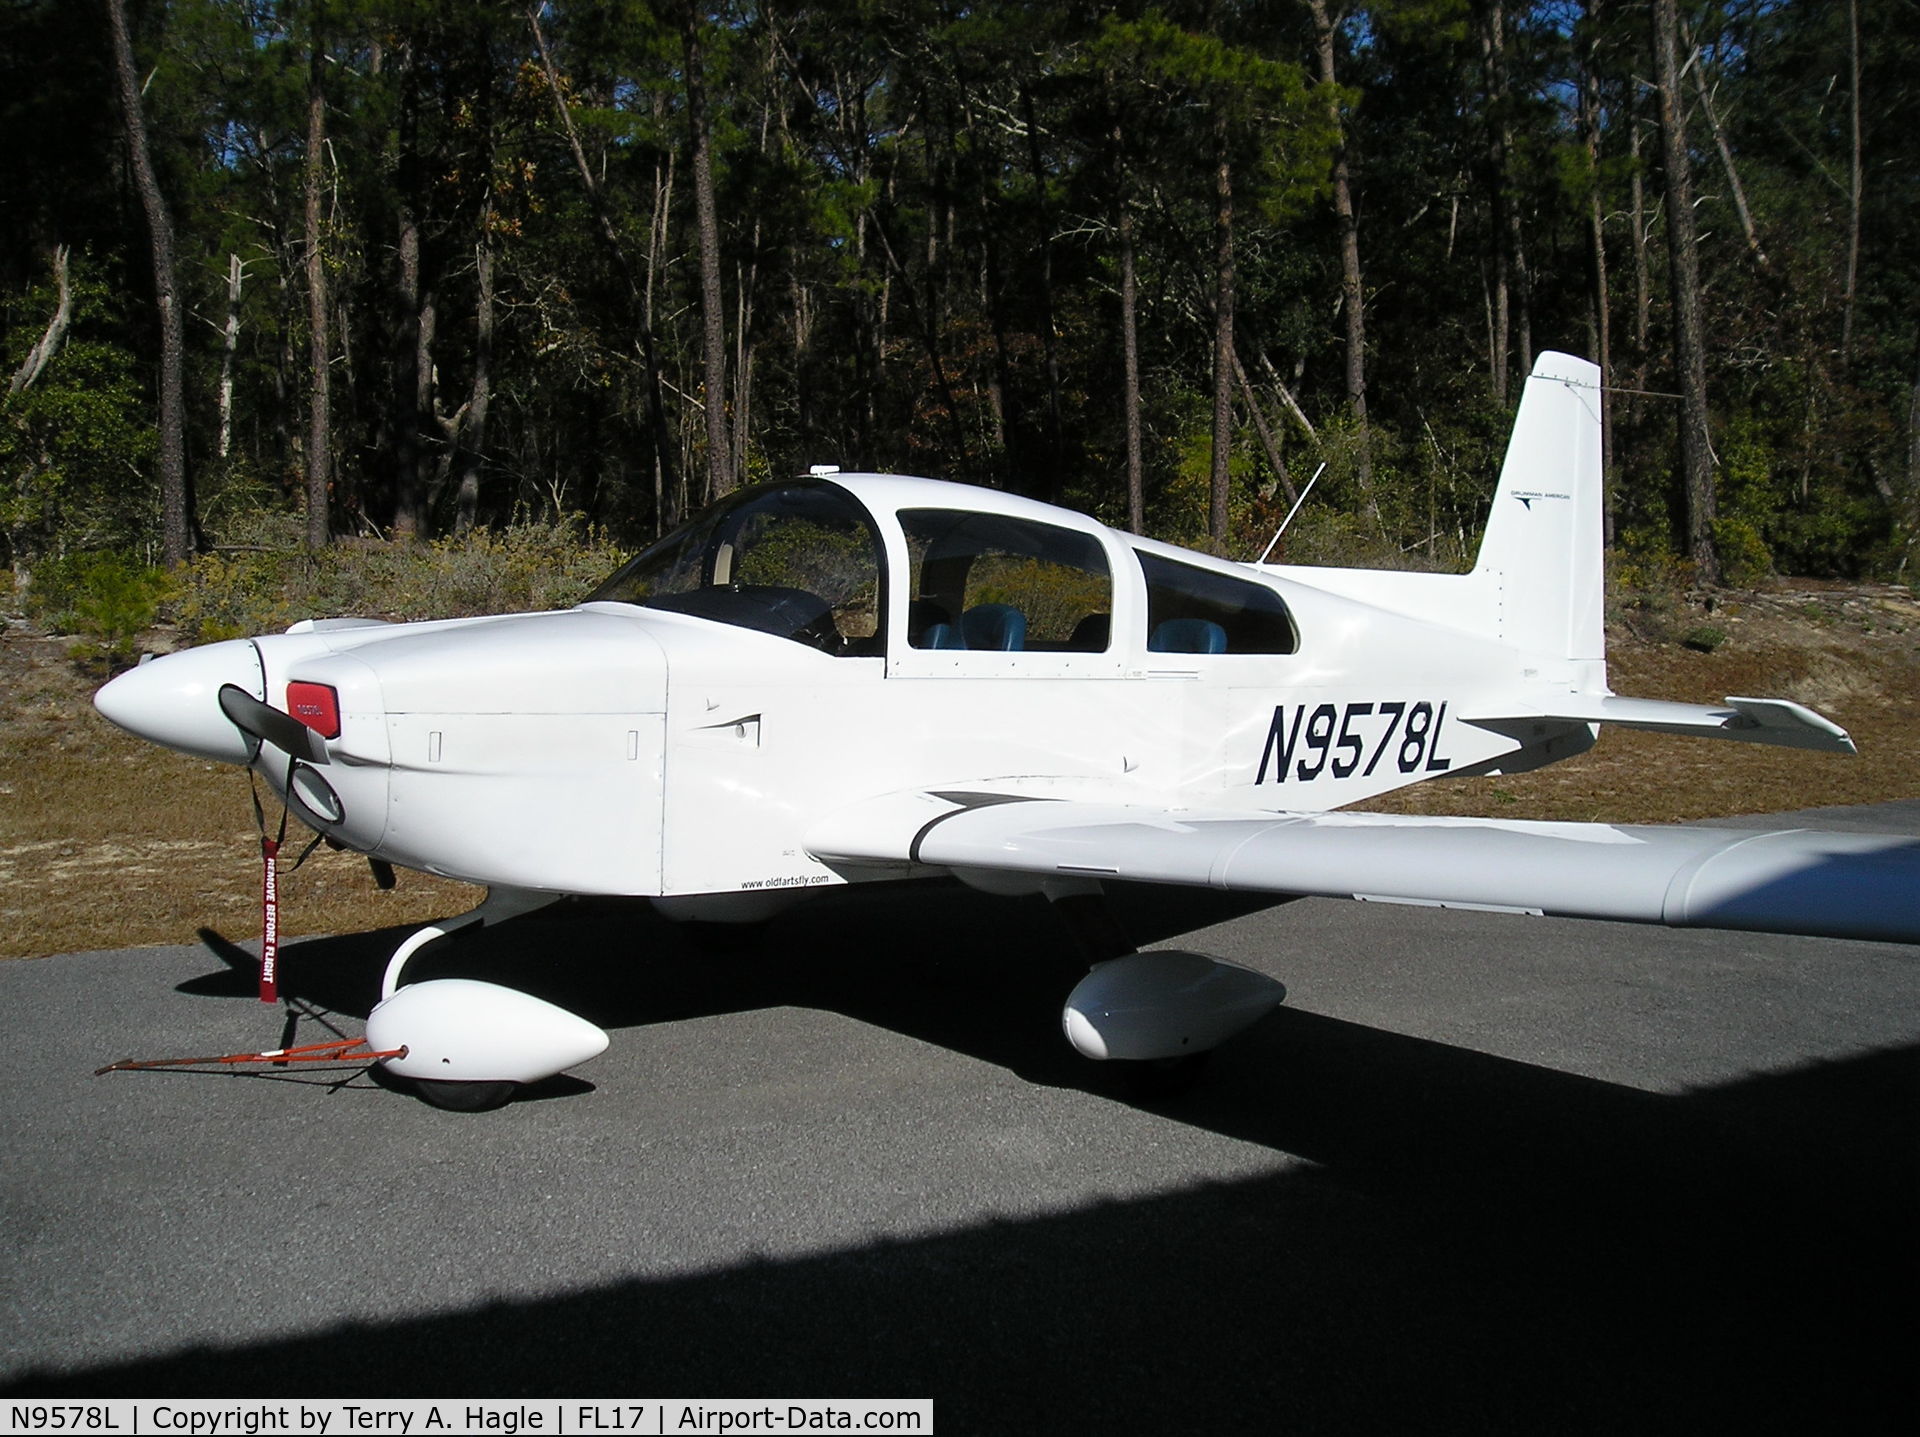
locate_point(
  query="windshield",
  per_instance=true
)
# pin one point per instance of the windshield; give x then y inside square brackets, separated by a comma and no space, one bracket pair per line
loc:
[798,560]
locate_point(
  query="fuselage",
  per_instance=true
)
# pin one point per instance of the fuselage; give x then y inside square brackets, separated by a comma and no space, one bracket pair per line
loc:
[807,646]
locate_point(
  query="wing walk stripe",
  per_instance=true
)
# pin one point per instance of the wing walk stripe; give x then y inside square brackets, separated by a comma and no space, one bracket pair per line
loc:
[963,803]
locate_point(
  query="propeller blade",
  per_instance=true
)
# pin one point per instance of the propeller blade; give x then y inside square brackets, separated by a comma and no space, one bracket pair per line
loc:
[270,725]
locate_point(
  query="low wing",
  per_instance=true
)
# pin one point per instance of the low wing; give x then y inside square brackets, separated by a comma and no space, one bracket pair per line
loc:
[1825,884]
[1772,721]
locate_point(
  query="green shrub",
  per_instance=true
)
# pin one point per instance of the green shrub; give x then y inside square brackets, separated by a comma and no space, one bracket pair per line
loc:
[107,597]
[530,566]
[1744,557]
[224,596]
[1339,539]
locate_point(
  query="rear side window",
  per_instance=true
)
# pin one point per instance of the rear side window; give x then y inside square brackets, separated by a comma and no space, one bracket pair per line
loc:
[1191,610]
[985,581]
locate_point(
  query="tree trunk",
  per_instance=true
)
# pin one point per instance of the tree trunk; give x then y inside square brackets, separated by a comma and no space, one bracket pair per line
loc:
[1642,280]
[1856,183]
[1219,485]
[319,406]
[669,480]
[1000,387]
[176,507]
[1130,363]
[1493,61]
[1689,337]
[1912,515]
[285,409]
[412,396]
[1352,292]
[409,339]
[1055,461]
[54,334]
[741,430]
[1268,441]
[1697,63]
[1522,292]
[1286,394]
[746,283]
[1597,262]
[229,347]
[473,427]
[713,328]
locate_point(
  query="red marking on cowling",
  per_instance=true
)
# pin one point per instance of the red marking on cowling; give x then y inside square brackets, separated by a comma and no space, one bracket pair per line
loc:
[315,705]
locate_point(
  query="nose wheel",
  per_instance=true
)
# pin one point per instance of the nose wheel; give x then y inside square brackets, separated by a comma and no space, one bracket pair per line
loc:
[463,1097]
[1158,1080]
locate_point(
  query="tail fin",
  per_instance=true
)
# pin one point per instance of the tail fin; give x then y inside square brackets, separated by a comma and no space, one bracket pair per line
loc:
[1542,554]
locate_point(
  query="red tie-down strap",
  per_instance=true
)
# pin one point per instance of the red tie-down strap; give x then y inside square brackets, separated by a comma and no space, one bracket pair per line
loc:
[270,887]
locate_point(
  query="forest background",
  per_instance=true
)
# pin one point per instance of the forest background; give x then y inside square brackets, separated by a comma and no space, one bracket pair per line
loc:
[275,276]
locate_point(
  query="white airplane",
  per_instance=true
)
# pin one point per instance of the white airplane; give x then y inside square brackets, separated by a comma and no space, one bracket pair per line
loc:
[858,677]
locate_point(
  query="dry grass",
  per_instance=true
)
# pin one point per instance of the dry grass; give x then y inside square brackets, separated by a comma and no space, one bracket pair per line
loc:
[108,842]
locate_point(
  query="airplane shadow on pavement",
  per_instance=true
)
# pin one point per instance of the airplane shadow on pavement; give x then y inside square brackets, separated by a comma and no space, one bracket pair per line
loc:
[1475,1244]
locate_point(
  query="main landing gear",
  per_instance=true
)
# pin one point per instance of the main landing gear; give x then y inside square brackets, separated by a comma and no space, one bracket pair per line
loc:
[1155,1016]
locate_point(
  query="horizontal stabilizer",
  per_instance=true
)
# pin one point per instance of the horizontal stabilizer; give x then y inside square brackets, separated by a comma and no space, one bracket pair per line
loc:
[1774,721]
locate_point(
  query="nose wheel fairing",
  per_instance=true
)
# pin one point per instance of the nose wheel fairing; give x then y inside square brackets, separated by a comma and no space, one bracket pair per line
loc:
[461,1030]
[468,1045]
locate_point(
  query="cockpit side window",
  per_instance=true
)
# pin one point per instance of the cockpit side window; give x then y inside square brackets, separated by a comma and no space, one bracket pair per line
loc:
[989,582]
[798,560]
[1191,610]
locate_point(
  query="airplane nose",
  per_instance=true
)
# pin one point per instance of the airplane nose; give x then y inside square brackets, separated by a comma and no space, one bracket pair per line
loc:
[174,700]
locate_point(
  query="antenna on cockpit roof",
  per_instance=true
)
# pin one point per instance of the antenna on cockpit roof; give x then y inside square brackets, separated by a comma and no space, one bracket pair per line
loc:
[821,471]
[1291,512]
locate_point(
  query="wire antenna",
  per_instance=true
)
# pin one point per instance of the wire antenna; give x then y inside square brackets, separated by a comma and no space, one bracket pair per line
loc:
[1291,512]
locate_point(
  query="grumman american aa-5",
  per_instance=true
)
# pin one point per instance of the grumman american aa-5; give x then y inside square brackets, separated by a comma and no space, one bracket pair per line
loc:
[850,678]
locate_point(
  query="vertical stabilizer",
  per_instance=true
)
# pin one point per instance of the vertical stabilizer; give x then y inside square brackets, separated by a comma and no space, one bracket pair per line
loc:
[1542,551]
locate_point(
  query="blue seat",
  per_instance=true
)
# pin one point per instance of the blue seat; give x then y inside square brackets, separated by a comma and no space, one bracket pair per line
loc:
[994,626]
[1187,636]
[1090,635]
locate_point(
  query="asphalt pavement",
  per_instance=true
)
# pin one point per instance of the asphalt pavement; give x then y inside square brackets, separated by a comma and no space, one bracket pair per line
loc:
[1480,1173]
